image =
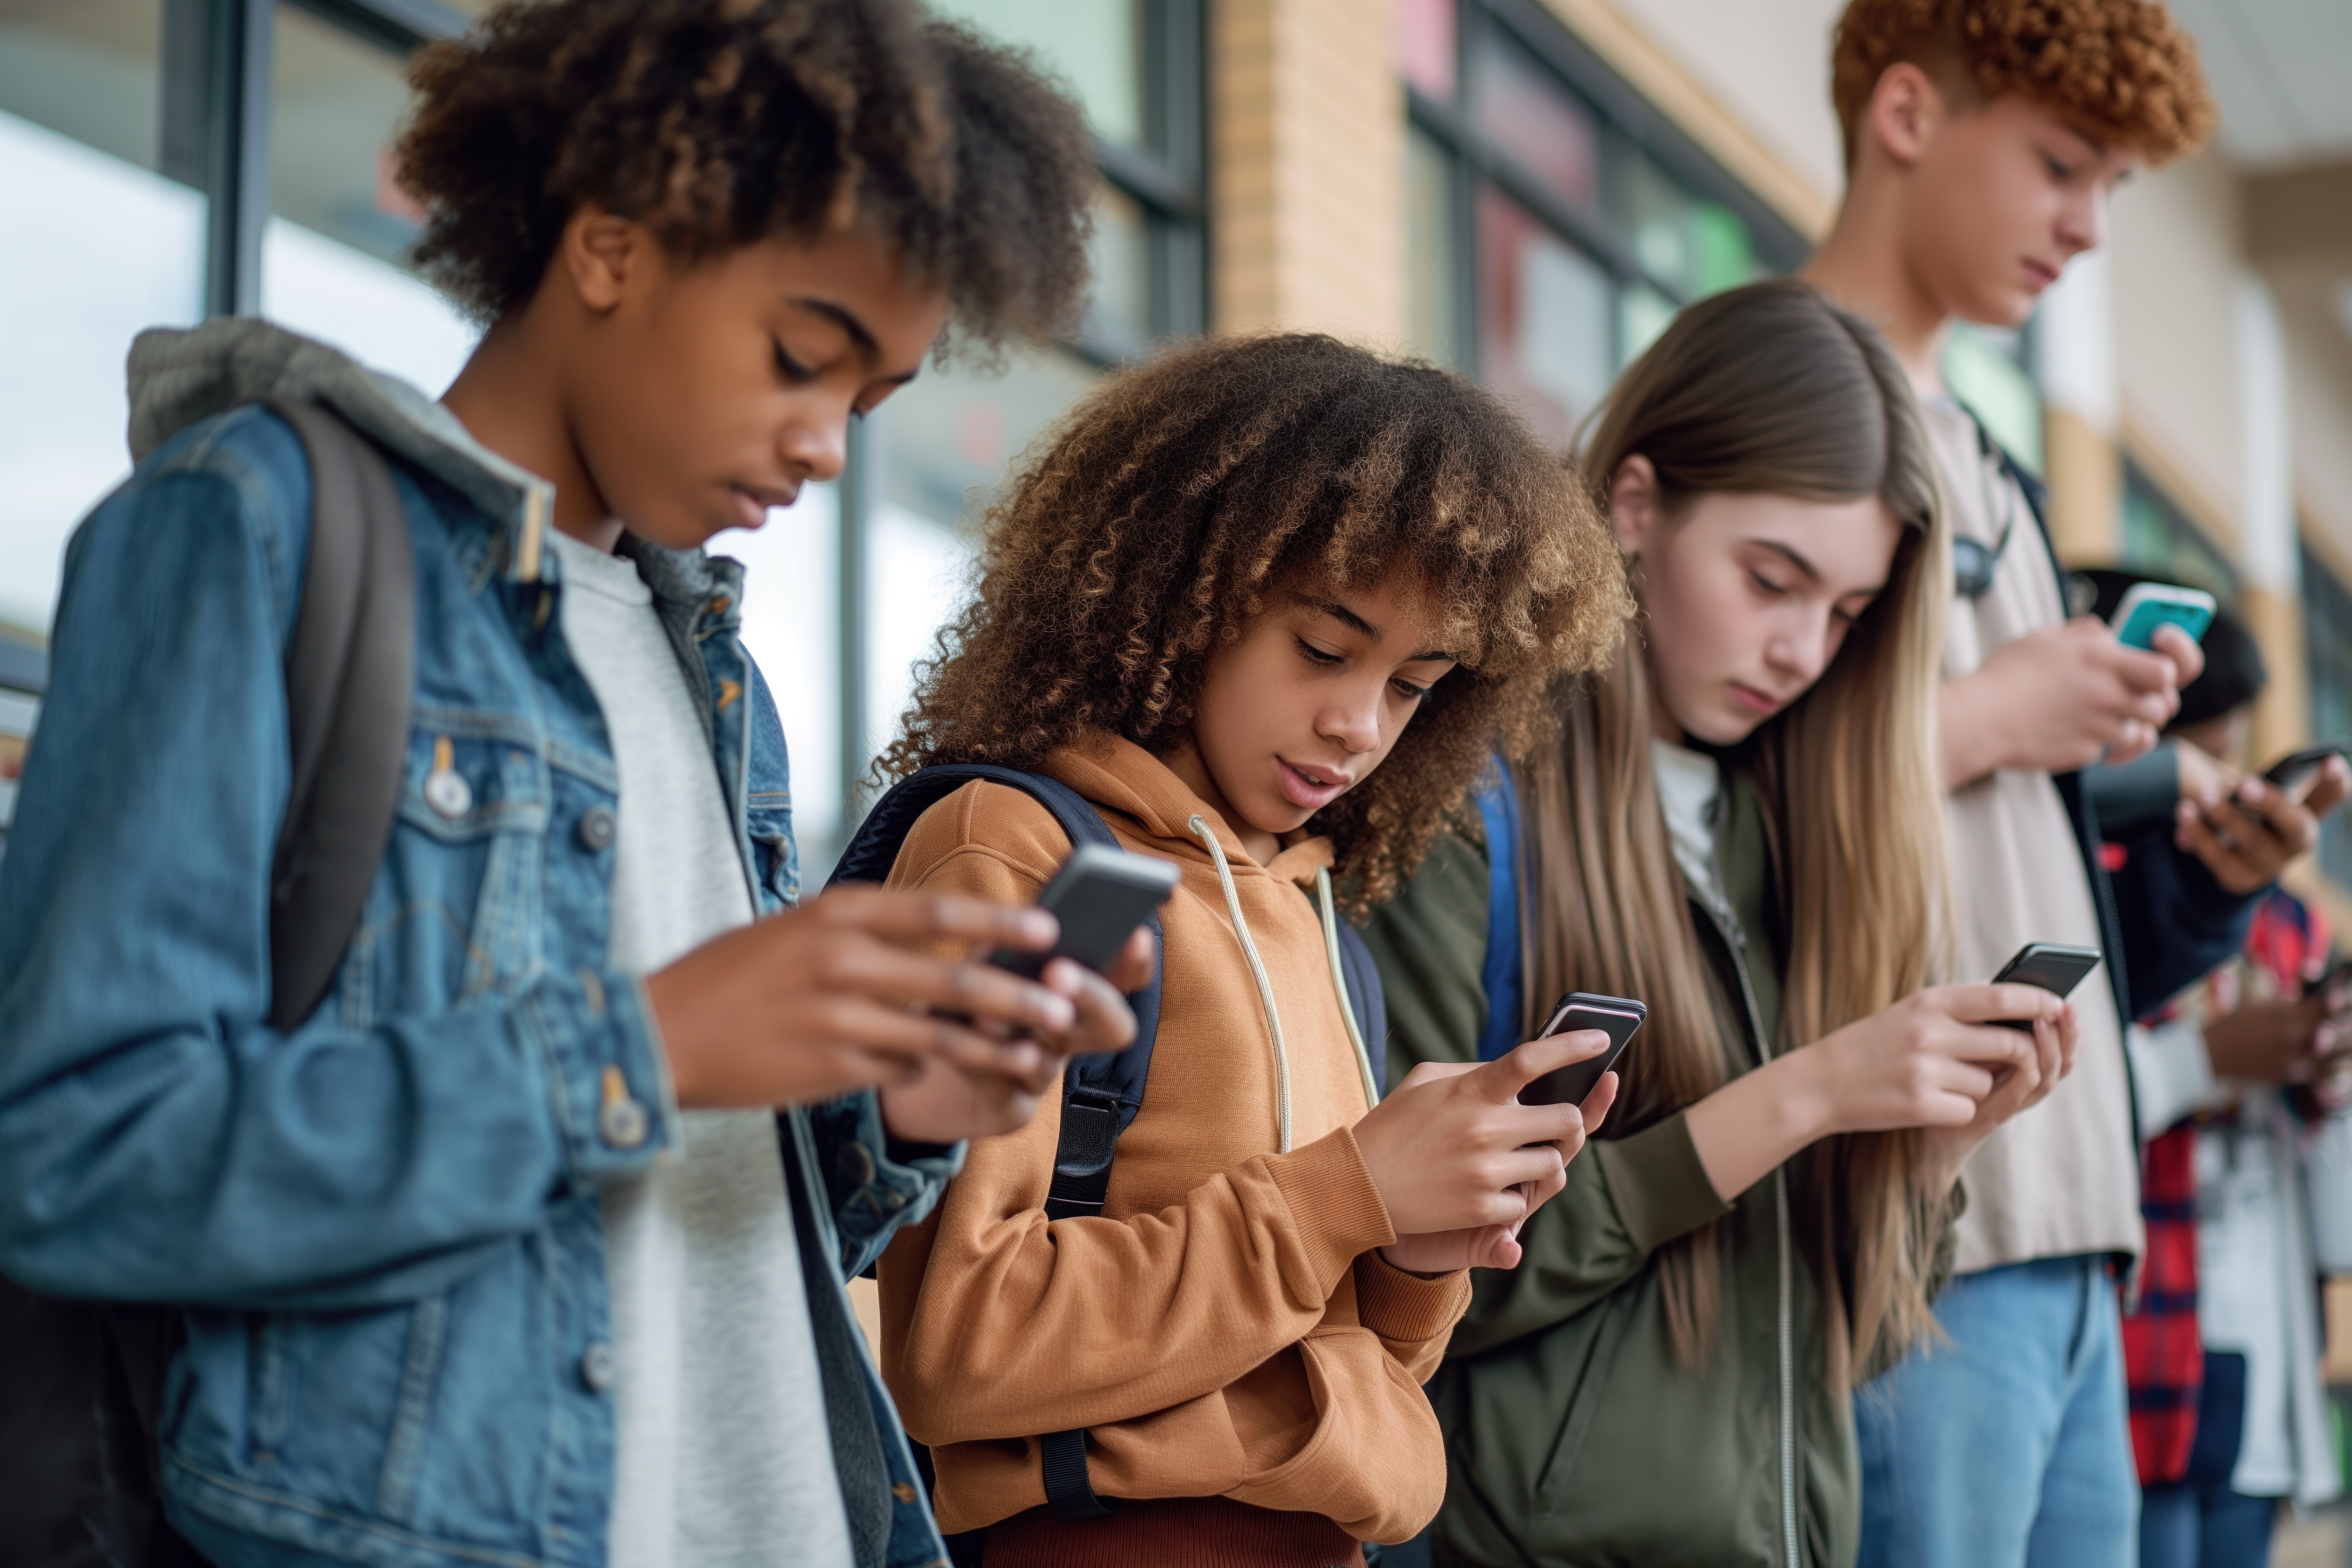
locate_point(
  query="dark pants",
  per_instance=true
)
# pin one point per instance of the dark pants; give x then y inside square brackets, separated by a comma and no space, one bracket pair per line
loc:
[2204,1524]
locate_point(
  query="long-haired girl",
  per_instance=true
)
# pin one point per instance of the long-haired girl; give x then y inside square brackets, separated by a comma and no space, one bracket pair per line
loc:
[1265,605]
[1740,824]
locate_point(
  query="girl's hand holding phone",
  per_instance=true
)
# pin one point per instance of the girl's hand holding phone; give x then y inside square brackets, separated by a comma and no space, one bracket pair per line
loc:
[1460,1164]
[1939,1060]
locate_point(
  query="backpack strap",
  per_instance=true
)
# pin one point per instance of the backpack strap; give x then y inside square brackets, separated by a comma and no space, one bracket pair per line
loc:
[1101,1092]
[1502,973]
[351,671]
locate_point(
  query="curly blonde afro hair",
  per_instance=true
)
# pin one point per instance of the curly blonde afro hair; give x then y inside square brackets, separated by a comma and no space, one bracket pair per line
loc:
[1186,495]
[2121,71]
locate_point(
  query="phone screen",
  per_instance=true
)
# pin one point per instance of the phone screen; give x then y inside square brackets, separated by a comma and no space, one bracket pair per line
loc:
[1100,896]
[1617,1016]
[2052,966]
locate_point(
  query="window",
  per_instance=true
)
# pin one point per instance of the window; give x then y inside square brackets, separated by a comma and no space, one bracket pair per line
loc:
[167,160]
[2160,541]
[1557,222]
[102,234]
[2327,656]
[925,465]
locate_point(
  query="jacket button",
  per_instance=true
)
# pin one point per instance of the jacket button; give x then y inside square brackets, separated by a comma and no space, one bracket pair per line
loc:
[448,793]
[598,828]
[597,1366]
[855,1162]
[621,1123]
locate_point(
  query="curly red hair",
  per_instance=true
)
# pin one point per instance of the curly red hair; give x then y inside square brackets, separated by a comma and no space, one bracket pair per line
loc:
[2121,71]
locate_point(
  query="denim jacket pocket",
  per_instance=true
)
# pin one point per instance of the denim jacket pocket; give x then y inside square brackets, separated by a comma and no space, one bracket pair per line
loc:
[454,909]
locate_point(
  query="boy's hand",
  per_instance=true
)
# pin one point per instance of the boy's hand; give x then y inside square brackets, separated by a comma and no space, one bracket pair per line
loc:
[953,1101]
[816,1002]
[2248,837]
[2059,700]
[1452,1150]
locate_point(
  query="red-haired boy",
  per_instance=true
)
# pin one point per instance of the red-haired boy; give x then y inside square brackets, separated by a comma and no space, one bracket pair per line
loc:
[1984,138]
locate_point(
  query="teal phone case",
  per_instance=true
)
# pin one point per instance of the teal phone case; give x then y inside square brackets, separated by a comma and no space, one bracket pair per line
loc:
[2140,630]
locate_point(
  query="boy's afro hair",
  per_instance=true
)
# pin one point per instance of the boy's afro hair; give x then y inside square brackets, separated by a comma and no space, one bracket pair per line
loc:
[2121,71]
[718,124]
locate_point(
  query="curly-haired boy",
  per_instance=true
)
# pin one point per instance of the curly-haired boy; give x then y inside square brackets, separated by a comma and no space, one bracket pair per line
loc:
[527,1245]
[1982,140]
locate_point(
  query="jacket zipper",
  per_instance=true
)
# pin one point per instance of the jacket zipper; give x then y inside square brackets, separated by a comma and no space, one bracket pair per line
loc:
[1728,928]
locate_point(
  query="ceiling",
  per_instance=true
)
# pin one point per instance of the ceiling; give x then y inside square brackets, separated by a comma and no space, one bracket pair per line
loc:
[2280,68]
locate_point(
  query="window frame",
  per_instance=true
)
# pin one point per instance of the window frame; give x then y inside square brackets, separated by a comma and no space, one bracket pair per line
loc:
[1628,125]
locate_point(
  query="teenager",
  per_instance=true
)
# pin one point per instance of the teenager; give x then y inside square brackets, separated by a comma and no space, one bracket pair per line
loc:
[2234,1084]
[1263,602]
[1982,145]
[506,1253]
[1741,827]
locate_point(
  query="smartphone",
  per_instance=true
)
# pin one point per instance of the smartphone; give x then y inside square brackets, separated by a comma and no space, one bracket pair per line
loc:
[1617,1016]
[2149,605]
[2056,969]
[2296,766]
[1100,896]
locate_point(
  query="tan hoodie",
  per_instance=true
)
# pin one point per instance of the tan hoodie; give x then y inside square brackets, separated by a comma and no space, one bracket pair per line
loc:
[1226,1328]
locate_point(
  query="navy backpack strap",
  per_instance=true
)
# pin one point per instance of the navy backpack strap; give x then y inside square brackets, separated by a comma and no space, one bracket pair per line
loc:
[1500,974]
[1366,1000]
[1101,1092]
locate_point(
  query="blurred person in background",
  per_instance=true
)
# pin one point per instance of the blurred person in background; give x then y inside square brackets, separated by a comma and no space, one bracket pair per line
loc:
[2234,1082]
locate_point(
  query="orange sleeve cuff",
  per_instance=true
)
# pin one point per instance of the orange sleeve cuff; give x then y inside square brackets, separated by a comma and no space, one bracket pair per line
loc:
[1330,1196]
[1406,1309]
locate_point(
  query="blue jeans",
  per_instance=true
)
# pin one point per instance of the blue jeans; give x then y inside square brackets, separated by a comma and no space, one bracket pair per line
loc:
[2009,1447]
[2204,1524]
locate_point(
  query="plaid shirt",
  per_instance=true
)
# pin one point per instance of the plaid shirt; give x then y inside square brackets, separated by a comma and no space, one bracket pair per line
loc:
[2164,1355]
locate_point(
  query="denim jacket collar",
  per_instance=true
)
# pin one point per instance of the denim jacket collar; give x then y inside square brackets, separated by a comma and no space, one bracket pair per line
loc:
[179,377]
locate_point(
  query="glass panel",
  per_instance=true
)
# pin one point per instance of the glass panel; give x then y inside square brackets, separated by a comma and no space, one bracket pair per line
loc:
[1532,115]
[1641,314]
[1118,315]
[1984,375]
[2328,663]
[1544,328]
[1699,247]
[331,257]
[944,442]
[2160,541]
[1422,35]
[1433,282]
[96,243]
[1092,47]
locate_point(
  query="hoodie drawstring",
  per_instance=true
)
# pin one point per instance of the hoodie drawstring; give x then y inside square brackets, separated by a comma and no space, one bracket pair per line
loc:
[1201,830]
[1328,910]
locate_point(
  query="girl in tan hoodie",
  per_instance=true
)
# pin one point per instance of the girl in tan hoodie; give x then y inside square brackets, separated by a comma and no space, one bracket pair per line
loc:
[1238,581]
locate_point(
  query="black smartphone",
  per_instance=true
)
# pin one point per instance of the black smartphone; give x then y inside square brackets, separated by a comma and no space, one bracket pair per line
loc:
[1616,1016]
[2296,766]
[2053,966]
[1100,896]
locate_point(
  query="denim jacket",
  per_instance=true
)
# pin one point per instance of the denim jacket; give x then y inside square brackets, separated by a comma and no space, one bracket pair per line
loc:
[385,1227]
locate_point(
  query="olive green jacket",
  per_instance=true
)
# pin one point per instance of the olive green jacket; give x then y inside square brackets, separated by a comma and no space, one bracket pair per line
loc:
[1573,1433]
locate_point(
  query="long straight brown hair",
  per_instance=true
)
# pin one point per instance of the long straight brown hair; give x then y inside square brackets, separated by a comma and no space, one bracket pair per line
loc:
[1769,389]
